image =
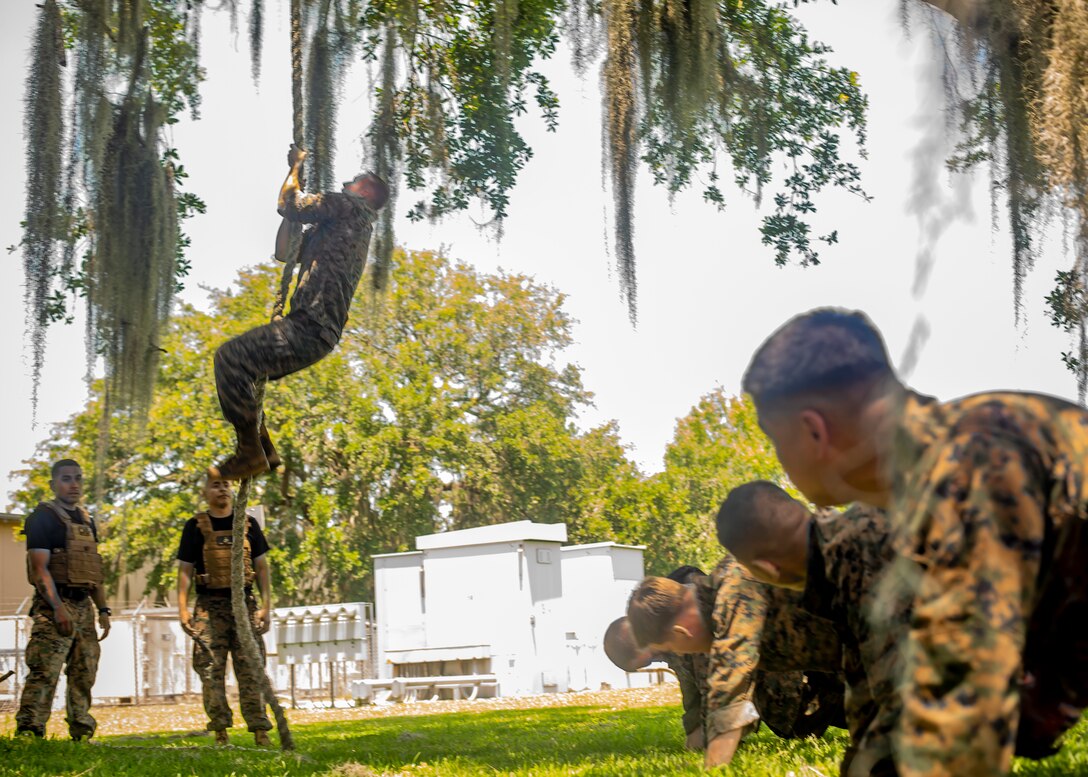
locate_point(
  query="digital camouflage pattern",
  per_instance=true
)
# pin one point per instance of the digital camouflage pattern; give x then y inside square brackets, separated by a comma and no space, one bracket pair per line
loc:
[331,263]
[47,652]
[213,624]
[690,670]
[761,636]
[988,518]
[848,555]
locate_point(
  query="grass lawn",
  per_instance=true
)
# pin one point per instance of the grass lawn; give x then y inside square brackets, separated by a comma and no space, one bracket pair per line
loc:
[578,740]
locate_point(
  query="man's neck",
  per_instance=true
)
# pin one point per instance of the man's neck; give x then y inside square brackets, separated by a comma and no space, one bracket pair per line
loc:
[214,513]
[65,504]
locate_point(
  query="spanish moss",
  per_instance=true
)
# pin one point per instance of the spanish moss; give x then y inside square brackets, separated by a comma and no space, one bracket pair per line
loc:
[1028,118]
[322,92]
[133,272]
[256,37]
[620,93]
[383,138]
[44,131]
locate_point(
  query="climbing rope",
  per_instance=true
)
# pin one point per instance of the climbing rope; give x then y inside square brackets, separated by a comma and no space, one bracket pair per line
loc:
[294,243]
[293,229]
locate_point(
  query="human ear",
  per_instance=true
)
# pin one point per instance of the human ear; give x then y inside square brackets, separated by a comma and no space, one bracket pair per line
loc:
[766,570]
[815,428]
[682,631]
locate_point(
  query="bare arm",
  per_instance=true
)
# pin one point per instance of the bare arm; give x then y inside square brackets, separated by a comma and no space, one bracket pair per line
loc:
[294,205]
[98,596]
[185,579]
[264,583]
[720,749]
[292,186]
[47,587]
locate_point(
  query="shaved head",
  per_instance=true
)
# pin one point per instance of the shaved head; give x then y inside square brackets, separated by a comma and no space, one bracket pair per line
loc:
[756,518]
[622,648]
[825,352]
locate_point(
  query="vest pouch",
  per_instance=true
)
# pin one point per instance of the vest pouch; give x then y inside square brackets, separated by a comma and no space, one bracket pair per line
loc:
[217,551]
[84,562]
[78,564]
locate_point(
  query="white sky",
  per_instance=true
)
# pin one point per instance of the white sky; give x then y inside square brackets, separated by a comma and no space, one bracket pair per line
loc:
[708,290]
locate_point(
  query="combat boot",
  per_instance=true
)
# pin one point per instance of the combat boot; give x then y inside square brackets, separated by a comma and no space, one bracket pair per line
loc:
[248,459]
[270,453]
[222,737]
[261,738]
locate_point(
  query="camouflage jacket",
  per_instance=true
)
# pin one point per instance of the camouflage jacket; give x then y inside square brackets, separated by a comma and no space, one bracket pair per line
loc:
[761,637]
[988,517]
[848,554]
[332,256]
[690,670]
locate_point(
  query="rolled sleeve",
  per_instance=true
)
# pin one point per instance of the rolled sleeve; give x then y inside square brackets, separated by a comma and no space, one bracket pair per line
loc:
[740,611]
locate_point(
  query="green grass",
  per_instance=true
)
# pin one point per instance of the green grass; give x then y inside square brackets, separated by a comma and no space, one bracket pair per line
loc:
[541,743]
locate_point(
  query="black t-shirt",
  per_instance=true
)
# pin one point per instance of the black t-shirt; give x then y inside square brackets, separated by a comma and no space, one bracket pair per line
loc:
[44,530]
[191,549]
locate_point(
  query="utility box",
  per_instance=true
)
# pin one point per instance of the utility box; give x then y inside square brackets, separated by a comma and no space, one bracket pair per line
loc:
[503,604]
[600,578]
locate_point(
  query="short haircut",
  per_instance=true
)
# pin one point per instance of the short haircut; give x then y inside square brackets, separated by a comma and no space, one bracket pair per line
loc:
[754,519]
[377,185]
[685,574]
[58,466]
[622,649]
[824,351]
[654,606]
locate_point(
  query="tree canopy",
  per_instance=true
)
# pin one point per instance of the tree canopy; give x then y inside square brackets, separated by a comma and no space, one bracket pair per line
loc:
[694,92]
[449,407]
[1016,81]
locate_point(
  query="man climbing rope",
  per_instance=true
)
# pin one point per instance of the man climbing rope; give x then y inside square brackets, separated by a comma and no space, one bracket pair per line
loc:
[332,257]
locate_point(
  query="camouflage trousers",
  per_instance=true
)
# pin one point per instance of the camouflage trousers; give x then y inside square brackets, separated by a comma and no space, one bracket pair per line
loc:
[49,650]
[213,622]
[267,352]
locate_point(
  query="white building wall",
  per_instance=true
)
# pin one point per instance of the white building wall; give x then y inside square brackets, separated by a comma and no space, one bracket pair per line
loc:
[544,567]
[599,579]
[399,605]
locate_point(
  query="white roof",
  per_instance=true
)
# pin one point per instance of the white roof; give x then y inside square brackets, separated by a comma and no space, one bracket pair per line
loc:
[516,531]
[601,546]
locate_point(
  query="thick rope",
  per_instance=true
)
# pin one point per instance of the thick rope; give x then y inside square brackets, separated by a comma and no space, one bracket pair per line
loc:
[296,72]
[242,623]
[294,241]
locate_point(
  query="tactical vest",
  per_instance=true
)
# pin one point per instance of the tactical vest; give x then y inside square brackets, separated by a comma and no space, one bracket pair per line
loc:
[217,548]
[77,565]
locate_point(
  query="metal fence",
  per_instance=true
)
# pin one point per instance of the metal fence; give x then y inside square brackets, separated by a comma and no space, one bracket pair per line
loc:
[313,652]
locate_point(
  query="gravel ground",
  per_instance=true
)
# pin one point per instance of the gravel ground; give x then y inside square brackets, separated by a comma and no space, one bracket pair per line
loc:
[189,715]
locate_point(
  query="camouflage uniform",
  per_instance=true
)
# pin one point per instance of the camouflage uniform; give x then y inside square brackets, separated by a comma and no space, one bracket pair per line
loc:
[49,650]
[988,514]
[690,670]
[213,623]
[331,263]
[848,554]
[763,647]
[206,543]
